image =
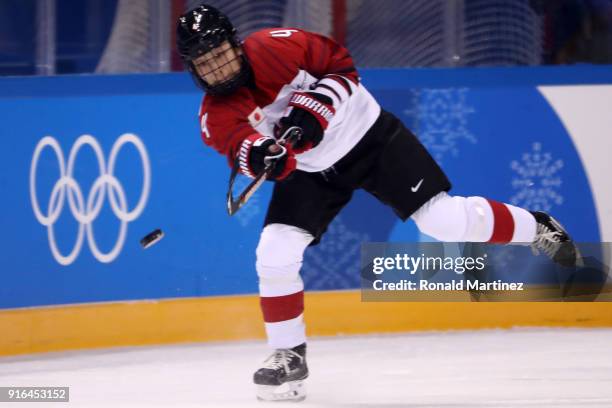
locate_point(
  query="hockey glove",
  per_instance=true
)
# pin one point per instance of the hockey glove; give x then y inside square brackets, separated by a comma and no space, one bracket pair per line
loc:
[256,151]
[310,111]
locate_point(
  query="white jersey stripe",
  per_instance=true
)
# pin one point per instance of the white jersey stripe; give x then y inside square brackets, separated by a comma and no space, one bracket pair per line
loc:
[331,94]
[336,86]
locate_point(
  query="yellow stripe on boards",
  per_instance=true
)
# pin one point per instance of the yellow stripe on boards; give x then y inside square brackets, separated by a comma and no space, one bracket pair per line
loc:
[96,325]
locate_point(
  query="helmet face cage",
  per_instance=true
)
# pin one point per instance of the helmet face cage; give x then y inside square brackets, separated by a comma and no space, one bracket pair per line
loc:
[201,30]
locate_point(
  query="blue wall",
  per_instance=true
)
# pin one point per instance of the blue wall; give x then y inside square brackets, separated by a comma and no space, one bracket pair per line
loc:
[485,126]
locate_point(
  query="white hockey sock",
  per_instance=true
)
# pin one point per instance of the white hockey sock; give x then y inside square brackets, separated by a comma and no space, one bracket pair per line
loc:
[279,259]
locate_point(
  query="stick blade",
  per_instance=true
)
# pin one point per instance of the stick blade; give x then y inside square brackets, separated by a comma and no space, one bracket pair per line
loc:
[234,205]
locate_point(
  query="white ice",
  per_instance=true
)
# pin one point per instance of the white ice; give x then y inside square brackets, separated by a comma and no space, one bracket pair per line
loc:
[491,368]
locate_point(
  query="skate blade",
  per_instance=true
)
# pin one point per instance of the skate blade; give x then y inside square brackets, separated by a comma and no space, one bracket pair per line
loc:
[289,391]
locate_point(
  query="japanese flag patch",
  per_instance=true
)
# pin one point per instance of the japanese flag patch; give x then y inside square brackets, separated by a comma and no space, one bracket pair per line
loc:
[256,117]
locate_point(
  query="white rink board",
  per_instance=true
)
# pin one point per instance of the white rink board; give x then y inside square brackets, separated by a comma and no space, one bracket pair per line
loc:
[489,368]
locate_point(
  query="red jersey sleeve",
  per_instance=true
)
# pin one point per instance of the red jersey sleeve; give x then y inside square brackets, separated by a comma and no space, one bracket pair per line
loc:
[224,122]
[316,54]
[332,63]
[324,57]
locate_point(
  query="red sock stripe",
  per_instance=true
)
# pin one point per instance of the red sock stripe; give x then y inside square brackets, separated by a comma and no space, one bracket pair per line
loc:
[503,223]
[281,308]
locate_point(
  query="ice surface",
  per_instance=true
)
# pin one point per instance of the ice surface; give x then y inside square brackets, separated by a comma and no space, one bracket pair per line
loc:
[490,368]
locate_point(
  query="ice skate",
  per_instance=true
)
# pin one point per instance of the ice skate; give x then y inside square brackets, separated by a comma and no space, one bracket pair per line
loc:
[282,376]
[554,241]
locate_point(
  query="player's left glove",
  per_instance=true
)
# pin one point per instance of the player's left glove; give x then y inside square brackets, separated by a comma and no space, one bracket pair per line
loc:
[312,112]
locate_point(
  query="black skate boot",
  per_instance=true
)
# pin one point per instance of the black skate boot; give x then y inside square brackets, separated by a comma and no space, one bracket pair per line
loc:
[281,378]
[553,240]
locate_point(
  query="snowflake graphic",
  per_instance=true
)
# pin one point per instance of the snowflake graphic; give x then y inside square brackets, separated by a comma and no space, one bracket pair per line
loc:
[252,208]
[537,180]
[501,256]
[335,263]
[439,117]
[510,262]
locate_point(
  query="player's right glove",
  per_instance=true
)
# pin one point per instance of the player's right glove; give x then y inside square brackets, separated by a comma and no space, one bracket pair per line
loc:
[310,111]
[256,151]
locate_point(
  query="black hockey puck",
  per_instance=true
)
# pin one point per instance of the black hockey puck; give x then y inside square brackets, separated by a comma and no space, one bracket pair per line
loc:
[151,238]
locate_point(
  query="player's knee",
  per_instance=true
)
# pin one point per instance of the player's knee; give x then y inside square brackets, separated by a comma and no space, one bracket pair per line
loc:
[281,247]
[479,220]
[443,218]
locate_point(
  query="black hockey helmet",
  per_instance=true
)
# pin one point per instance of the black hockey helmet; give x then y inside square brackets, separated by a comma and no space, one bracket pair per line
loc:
[200,30]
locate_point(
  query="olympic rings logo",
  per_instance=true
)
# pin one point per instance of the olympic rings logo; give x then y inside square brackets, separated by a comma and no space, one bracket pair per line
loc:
[85,212]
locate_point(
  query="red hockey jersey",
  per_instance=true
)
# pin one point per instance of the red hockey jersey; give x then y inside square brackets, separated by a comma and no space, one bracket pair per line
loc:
[285,60]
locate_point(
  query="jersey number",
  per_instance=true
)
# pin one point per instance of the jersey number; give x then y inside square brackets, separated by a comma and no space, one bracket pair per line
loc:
[203,126]
[282,33]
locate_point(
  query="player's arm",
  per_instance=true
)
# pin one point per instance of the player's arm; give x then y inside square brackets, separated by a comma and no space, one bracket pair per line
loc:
[313,109]
[333,65]
[227,129]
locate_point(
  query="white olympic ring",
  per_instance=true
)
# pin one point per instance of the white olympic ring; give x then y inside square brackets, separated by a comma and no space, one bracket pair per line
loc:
[85,212]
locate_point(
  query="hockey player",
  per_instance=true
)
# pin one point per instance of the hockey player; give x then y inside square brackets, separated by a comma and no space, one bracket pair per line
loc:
[283,77]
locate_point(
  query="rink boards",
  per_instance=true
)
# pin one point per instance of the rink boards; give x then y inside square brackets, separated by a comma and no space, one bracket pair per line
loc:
[92,163]
[239,318]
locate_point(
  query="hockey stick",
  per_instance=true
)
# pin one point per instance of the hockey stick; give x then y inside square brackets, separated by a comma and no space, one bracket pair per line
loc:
[234,204]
